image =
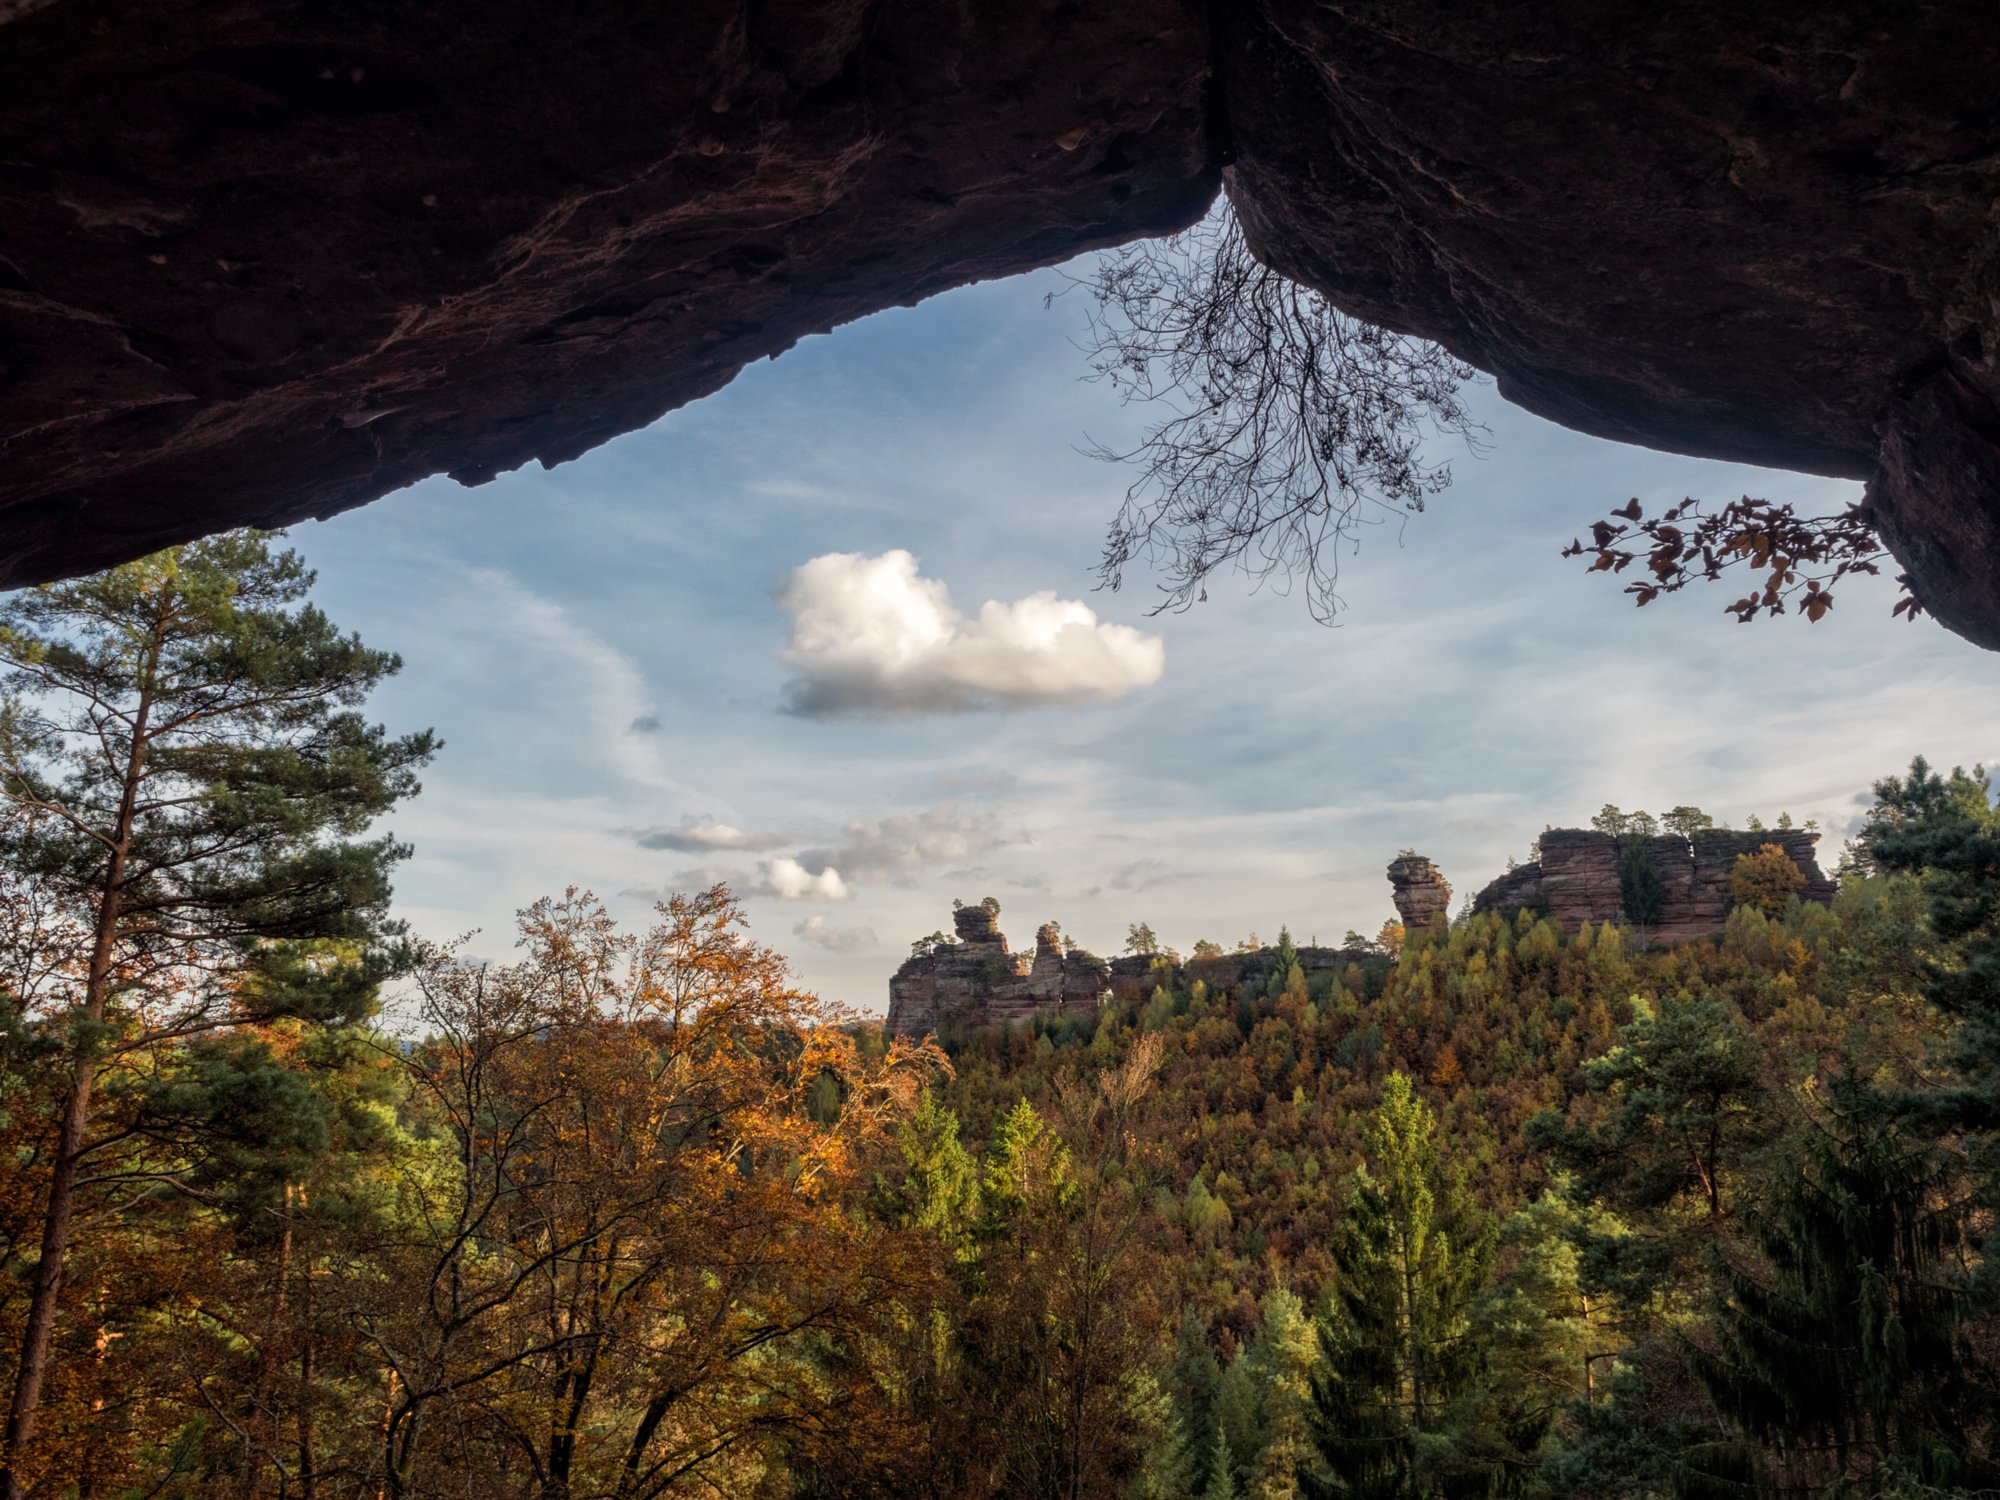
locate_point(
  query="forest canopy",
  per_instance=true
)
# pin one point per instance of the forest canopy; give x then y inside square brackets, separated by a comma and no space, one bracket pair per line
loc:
[295,1203]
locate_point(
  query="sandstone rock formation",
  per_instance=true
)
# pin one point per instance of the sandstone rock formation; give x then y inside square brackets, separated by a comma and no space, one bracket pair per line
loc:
[1576,879]
[1419,890]
[977,982]
[274,261]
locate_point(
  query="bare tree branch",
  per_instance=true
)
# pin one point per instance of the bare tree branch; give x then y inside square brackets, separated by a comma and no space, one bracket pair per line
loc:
[1291,420]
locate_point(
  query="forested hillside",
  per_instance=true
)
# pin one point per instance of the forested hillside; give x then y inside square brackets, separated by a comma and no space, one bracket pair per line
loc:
[293,1203]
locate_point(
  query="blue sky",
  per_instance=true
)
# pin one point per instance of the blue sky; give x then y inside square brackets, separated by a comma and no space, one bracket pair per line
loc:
[609,651]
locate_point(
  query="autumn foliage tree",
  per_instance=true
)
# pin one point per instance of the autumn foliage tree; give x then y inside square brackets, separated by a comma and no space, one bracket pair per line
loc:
[1765,880]
[624,1265]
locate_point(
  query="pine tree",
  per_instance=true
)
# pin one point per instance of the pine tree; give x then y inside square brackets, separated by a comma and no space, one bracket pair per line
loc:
[1408,1264]
[1690,1092]
[940,1184]
[1845,1356]
[1026,1161]
[1284,1356]
[1947,830]
[1193,1380]
[185,772]
[1221,1473]
[1641,892]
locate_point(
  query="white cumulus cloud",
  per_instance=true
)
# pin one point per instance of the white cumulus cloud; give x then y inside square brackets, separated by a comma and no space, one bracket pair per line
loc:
[788,880]
[871,638]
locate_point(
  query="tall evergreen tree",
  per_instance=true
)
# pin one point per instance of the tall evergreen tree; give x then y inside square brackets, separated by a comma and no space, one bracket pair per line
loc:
[1844,1355]
[1408,1264]
[1194,1380]
[1642,895]
[1947,830]
[940,1179]
[1689,1091]
[185,771]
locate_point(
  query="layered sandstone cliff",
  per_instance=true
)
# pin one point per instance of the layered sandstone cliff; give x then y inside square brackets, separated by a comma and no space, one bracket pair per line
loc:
[1419,890]
[977,981]
[1576,880]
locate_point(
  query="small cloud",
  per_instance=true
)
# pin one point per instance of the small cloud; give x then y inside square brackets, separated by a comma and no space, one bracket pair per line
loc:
[817,932]
[1032,883]
[789,880]
[872,639]
[902,842]
[702,835]
[646,724]
[701,877]
[1144,875]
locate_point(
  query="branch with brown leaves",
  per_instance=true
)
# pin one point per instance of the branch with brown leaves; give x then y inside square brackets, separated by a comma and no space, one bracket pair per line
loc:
[1801,558]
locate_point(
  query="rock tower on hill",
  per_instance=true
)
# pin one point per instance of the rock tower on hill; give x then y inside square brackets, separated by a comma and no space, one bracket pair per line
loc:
[978,982]
[1576,879]
[1419,890]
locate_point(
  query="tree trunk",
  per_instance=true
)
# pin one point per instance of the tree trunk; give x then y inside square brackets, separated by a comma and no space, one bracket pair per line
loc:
[47,1291]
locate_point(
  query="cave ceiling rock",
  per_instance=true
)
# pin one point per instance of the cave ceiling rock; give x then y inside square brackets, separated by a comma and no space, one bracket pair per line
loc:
[261,261]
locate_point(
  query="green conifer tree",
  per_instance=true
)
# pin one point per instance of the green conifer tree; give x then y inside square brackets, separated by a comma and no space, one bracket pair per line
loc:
[1847,1356]
[1186,1466]
[185,771]
[1947,830]
[1408,1264]
[940,1183]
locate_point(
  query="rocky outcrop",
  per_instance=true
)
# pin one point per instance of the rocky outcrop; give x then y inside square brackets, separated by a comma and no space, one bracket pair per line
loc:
[275,261]
[1419,891]
[1576,880]
[975,981]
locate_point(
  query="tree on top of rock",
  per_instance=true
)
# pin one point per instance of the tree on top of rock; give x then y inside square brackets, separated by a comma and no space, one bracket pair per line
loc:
[1686,821]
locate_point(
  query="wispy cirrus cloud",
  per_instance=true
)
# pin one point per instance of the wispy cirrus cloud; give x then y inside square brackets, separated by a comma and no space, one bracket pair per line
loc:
[901,843]
[821,934]
[704,835]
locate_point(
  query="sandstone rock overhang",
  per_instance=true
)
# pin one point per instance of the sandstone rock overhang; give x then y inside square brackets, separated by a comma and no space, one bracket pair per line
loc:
[270,261]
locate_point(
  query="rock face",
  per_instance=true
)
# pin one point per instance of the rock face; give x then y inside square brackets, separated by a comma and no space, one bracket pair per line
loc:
[1576,879]
[274,261]
[271,261]
[975,981]
[1419,891]
[1753,232]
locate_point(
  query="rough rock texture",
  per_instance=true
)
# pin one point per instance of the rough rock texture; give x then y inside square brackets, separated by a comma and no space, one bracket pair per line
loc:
[260,261]
[1419,890]
[1576,879]
[975,981]
[1759,232]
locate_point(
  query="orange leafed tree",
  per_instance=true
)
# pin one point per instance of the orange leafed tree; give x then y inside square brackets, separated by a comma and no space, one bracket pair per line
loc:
[1766,880]
[627,1264]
